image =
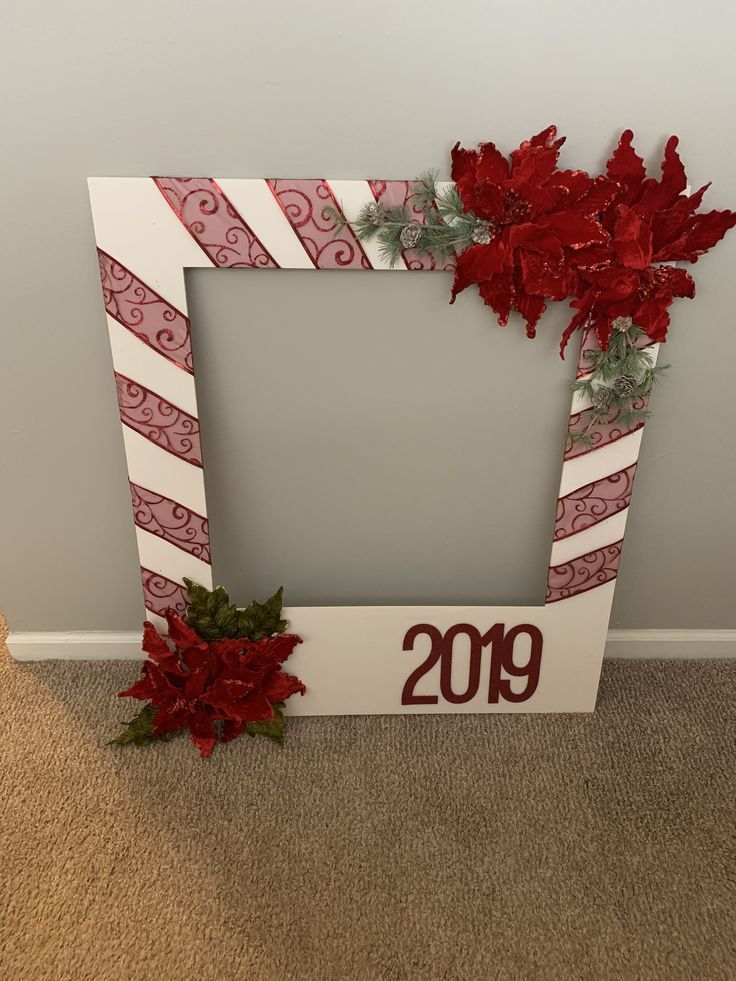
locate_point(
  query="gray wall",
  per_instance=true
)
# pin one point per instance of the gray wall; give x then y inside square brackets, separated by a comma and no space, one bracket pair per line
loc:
[363,440]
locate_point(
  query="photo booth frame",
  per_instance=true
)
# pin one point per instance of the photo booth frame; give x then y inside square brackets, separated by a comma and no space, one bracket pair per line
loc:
[358,659]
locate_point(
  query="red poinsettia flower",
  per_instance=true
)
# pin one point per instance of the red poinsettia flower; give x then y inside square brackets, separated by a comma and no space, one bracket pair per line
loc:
[193,683]
[649,222]
[541,221]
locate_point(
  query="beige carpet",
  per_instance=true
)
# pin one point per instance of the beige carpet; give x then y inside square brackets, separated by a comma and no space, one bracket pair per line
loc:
[554,847]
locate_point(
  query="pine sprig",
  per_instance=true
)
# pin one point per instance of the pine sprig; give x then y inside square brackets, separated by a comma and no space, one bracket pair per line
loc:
[432,223]
[621,377]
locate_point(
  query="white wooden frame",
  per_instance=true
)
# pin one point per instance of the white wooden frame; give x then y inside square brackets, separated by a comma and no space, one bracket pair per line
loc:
[354,659]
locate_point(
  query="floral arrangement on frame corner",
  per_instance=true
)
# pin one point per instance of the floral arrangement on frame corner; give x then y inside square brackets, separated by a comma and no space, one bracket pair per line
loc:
[217,674]
[525,232]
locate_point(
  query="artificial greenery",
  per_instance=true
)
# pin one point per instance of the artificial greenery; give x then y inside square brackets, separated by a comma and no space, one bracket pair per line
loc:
[272,729]
[445,230]
[139,730]
[620,378]
[212,615]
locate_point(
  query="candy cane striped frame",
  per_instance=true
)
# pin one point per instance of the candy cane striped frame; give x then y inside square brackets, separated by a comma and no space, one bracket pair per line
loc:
[148,231]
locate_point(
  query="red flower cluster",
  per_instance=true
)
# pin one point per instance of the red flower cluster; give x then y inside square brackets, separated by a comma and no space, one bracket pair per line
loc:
[233,682]
[559,234]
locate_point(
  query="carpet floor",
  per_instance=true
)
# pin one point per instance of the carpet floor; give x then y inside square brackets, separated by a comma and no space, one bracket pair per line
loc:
[500,848]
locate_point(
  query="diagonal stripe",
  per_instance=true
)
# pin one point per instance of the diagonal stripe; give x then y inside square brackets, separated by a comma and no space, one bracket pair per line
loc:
[583,573]
[353,197]
[601,435]
[254,200]
[306,204]
[136,360]
[594,502]
[596,536]
[167,519]
[140,309]
[214,224]
[161,594]
[161,422]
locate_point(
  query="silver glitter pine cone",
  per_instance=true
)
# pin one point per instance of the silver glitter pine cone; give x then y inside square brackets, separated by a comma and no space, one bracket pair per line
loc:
[482,233]
[624,386]
[410,235]
[602,398]
[376,214]
[622,324]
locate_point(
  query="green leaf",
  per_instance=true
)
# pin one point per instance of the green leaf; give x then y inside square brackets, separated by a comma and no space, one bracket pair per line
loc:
[210,612]
[214,617]
[139,730]
[271,728]
[260,620]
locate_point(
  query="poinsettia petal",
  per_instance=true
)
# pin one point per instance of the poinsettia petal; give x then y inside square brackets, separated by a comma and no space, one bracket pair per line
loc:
[488,201]
[612,282]
[153,643]
[671,224]
[202,732]
[679,282]
[281,686]
[590,257]
[556,283]
[673,171]
[155,684]
[601,192]
[584,304]
[531,309]
[197,680]
[464,167]
[546,138]
[603,327]
[231,730]
[653,318]
[541,275]
[499,294]
[492,165]
[535,239]
[574,230]
[181,633]
[142,689]
[476,265]
[226,692]
[229,648]
[170,718]
[255,708]
[632,239]
[542,199]
[626,166]
[704,232]
[575,183]
[532,165]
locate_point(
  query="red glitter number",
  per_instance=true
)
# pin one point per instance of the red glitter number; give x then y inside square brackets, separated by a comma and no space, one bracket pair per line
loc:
[502,662]
[502,658]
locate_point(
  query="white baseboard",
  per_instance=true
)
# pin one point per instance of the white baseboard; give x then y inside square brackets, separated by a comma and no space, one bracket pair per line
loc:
[121,646]
[77,645]
[671,643]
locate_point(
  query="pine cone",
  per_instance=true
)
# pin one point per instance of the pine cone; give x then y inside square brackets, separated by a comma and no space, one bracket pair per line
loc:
[410,235]
[622,323]
[624,386]
[602,398]
[482,233]
[375,213]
